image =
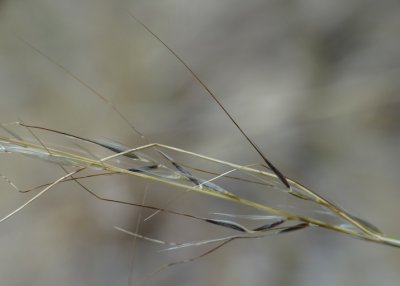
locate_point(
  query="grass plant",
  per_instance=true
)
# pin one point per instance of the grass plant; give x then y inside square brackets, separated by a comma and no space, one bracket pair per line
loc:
[155,162]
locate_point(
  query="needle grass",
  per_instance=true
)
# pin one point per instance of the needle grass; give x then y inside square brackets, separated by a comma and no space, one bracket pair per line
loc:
[155,162]
[158,171]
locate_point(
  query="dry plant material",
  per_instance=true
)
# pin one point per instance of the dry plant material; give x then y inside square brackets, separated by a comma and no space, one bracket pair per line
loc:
[164,169]
[181,178]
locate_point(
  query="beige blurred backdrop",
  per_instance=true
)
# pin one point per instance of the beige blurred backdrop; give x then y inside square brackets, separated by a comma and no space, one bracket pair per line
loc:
[314,83]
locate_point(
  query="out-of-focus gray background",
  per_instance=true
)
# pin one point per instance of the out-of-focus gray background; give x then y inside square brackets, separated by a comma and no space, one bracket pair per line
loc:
[314,83]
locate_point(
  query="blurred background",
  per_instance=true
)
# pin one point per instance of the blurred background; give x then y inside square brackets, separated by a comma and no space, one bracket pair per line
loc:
[314,83]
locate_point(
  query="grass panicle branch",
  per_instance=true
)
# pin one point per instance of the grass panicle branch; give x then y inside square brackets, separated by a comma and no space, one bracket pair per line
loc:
[182,178]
